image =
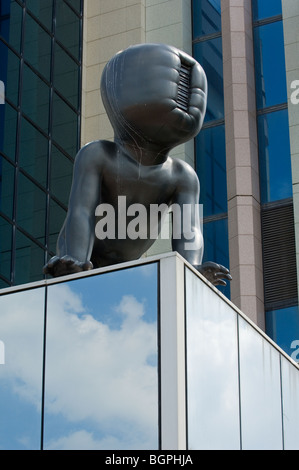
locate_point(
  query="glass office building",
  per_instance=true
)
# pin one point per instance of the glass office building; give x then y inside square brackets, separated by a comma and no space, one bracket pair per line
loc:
[41,63]
[52,53]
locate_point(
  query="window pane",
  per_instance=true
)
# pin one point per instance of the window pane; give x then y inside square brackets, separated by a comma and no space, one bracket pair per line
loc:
[7,174]
[283,327]
[33,152]
[30,259]
[57,217]
[67,28]
[290,393]
[212,369]
[35,99]
[260,391]
[5,248]
[9,73]
[215,236]
[274,156]
[263,8]
[209,55]
[15,25]
[42,10]
[101,383]
[271,88]
[31,208]
[211,170]
[37,47]
[206,17]
[65,126]
[21,326]
[66,76]
[8,131]
[4,19]
[61,175]
[77,5]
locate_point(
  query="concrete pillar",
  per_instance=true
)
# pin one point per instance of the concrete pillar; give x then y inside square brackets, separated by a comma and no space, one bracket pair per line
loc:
[242,160]
[290,10]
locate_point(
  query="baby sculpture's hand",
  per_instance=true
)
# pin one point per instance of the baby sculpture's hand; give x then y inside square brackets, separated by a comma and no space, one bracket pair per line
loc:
[65,265]
[215,273]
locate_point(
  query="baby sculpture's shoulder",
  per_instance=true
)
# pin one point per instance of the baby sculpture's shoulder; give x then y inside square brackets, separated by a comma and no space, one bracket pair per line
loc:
[97,151]
[184,175]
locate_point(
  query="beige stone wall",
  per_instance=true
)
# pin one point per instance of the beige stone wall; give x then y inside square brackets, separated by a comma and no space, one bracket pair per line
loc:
[291,38]
[242,160]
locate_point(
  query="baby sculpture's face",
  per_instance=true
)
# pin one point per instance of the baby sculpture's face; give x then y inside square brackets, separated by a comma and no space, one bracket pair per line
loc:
[154,93]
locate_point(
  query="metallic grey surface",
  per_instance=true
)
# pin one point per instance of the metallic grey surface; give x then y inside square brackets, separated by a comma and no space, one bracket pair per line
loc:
[155,97]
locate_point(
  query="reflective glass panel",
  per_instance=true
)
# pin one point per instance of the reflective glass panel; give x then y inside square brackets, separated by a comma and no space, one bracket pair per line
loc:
[4,19]
[42,10]
[5,248]
[67,27]
[29,262]
[61,175]
[65,126]
[270,76]
[274,156]
[31,208]
[66,76]
[212,369]
[206,17]
[211,170]
[282,326]
[8,130]
[216,246]
[209,55]
[9,73]
[56,220]
[15,25]
[101,371]
[35,99]
[7,173]
[261,415]
[263,9]
[21,335]
[290,394]
[37,47]
[33,152]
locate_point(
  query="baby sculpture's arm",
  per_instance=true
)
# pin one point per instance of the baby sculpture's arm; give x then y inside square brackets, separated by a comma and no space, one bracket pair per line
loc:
[187,235]
[75,241]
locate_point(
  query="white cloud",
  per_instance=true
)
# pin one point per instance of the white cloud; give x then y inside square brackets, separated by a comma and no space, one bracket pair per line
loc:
[97,377]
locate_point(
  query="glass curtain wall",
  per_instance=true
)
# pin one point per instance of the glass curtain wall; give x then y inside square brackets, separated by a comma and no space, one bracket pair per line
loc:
[40,56]
[282,318]
[210,143]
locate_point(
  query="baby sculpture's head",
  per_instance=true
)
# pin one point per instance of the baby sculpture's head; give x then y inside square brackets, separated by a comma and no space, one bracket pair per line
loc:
[154,93]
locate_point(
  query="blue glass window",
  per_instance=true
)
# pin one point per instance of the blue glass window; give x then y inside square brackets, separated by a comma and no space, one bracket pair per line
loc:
[283,327]
[264,9]
[5,248]
[211,170]
[271,87]
[209,55]
[274,155]
[206,17]
[7,174]
[37,47]
[216,246]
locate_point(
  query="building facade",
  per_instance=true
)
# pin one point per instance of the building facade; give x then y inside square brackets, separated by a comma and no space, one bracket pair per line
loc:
[52,54]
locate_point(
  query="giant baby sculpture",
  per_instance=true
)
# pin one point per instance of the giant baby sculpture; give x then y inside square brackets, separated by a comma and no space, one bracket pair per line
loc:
[155,97]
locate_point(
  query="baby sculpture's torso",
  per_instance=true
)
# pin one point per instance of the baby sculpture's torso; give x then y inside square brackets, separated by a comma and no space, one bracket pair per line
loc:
[135,191]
